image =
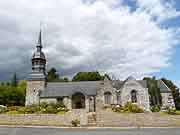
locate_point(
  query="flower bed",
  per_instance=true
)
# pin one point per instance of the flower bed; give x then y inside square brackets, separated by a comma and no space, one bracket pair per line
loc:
[44,108]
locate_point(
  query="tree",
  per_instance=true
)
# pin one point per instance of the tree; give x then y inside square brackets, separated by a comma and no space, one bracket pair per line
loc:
[22,87]
[174,91]
[154,91]
[88,76]
[2,83]
[7,84]
[107,76]
[10,95]
[14,80]
[53,76]
[66,79]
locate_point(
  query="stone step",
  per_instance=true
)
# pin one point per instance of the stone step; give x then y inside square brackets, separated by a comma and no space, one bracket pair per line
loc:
[92,124]
[92,121]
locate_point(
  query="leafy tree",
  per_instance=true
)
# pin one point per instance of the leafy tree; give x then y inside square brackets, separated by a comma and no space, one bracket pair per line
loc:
[10,95]
[66,79]
[22,87]
[2,83]
[87,76]
[154,91]
[107,76]
[14,80]
[53,76]
[7,84]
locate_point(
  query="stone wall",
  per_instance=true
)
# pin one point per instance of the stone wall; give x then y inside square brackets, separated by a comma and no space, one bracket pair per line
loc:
[44,119]
[125,94]
[106,118]
[142,94]
[167,99]
[105,87]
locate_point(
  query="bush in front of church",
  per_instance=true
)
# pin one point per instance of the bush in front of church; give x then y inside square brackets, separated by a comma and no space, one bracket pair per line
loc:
[44,108]
[155,108]
[128,108]
[53,108]
[3,109]
[75,123]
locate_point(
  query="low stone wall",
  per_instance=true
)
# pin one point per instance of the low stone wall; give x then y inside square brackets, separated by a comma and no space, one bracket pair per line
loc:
[44,119]
[107,118]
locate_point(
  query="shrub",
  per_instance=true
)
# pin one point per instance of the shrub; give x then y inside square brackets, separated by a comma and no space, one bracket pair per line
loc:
[13,108]
[22,110]
[3,109]
[171,111]
[130,107]
[75,123]
[118,109]
[43,110]
[12,112]
[31,109]
[155,108]
[43,105]
[60,104]
[177,112]
[61,112]
[65,109]
[51,109]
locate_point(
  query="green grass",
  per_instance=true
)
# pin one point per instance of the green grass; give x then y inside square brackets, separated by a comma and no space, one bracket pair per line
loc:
[174,113]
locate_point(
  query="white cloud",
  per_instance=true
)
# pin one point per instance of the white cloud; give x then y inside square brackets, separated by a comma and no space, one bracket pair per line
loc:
[161,9]
[84,36]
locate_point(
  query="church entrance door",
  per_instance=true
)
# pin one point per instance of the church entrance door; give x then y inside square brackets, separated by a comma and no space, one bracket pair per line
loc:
[78,101]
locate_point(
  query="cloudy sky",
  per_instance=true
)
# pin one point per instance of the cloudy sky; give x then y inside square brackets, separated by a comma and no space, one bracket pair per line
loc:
[119,37]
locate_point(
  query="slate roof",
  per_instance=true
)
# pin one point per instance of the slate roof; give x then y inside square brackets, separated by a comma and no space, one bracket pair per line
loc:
[119,84]
[143,83]
[163,87]
[36,76]
[69,88]
[61,89]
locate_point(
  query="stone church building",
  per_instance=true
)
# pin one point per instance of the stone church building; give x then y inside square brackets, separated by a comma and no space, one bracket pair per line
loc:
[87,95]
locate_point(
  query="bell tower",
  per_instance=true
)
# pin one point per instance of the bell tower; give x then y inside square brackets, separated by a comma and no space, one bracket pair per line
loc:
[36,80]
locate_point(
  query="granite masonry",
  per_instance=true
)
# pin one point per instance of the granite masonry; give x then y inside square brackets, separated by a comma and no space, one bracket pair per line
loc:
[88,95]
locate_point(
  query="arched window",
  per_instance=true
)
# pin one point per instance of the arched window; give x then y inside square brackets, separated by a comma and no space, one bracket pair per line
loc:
[107,97]
[133,96]
[118,98]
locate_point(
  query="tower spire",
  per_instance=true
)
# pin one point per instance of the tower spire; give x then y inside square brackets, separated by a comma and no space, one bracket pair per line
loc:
[40,39]
[38,61]
[39,43]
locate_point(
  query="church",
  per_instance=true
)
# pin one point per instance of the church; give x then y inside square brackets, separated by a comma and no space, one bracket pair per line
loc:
[87,95]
